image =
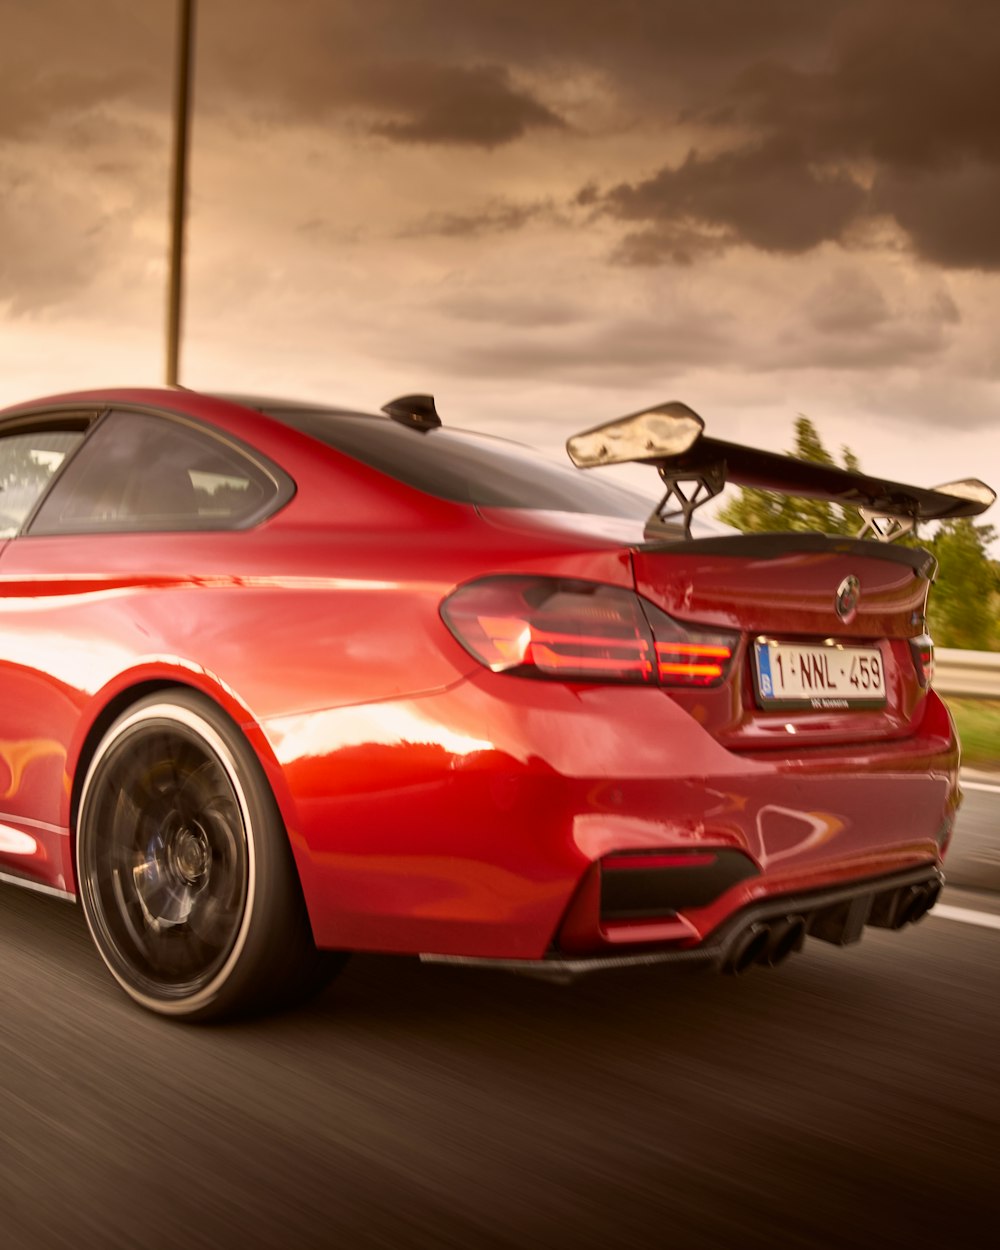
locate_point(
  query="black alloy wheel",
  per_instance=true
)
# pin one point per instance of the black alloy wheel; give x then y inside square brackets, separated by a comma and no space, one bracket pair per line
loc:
[184,870]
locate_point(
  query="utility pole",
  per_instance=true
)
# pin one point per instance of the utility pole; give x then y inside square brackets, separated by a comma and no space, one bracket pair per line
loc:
[184,57]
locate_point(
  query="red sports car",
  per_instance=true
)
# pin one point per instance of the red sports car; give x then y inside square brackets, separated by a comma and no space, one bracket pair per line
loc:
[280,682]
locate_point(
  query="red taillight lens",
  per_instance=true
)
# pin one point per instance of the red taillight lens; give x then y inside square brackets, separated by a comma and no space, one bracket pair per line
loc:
[581,631]
[688,657]
[923,659]
[545,627]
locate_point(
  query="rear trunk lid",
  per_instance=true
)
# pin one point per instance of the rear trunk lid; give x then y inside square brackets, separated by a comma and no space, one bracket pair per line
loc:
[825,624]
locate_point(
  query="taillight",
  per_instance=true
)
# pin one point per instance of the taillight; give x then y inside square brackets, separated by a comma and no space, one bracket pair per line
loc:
[580,631]
[687,657]
[544,627]
[923,659]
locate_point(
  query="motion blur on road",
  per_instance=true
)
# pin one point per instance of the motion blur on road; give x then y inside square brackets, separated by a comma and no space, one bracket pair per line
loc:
[848,1098]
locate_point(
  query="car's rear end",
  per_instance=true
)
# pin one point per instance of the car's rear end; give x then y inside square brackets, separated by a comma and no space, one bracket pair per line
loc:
[656,747]
[776,762]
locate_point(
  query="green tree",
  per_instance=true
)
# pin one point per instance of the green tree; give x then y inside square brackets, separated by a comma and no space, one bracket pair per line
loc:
[964,605]
[768,512]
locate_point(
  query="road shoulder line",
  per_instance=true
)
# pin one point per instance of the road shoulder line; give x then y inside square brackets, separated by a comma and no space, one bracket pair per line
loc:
[964,916]
[980,785]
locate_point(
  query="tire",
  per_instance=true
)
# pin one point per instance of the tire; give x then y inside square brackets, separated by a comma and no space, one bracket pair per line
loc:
[184,870]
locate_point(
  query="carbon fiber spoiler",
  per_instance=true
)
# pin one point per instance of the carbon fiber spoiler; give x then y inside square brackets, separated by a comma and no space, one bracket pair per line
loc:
[695,468]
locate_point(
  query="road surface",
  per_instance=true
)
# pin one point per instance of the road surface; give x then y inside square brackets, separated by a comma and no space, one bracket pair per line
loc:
[849,1098]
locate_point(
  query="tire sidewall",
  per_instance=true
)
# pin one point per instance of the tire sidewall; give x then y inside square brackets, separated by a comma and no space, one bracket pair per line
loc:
[265,843]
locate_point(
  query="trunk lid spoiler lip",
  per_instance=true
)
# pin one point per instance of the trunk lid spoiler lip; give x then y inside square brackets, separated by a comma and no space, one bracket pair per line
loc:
[695,468]
[775,545]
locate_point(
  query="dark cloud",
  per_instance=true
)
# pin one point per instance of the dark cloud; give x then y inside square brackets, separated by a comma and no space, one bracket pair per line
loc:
[440,64]
[652,51]
[951,215]
[497,218]
[263,60]
[904,95]
[622,35]
[406,77]
[477,106]
[907,83]
[588,196]
[767,196]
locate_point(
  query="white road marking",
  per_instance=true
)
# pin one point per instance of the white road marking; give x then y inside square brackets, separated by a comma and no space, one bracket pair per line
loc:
[980,785]
[962,914]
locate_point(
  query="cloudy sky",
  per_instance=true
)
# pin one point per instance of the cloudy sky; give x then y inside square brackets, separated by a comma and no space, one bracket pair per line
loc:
[546,212]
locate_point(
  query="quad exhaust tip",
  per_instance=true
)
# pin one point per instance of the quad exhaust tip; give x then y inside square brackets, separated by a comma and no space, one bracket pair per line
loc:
[787,937]
[917,902]
[771,943]
[766,944]
[748,948]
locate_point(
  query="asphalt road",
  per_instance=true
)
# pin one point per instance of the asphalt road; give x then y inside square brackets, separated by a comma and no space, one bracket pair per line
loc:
[974,857]
[849,1098]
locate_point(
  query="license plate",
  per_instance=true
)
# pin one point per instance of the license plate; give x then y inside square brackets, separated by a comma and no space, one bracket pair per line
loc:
[824,675]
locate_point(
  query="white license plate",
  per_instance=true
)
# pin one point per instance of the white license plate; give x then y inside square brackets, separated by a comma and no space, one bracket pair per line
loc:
[796,674]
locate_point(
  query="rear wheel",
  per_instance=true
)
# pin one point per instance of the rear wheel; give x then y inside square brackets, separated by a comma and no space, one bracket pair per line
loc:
[184,870]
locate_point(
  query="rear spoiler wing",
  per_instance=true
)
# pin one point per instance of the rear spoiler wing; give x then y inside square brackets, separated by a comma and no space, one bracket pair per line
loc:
[695,468]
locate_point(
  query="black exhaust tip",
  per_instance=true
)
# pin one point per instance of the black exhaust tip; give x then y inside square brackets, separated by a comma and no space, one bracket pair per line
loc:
[787,937]
[747,949]
[912,905]
[898,908]
[922,905]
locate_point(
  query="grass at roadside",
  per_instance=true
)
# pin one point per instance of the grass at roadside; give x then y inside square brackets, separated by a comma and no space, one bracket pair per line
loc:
[978,722]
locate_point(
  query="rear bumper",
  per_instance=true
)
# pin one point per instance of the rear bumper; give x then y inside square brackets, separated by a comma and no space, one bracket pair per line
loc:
[838,916]
[475,823]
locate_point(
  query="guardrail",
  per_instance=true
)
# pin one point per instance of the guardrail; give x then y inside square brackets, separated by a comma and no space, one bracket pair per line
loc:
[971,674]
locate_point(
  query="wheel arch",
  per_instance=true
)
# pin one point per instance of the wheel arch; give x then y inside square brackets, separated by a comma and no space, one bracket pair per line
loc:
[99,726]
[124,697]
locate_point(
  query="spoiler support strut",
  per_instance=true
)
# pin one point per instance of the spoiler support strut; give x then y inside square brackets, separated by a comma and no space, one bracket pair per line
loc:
[688,492]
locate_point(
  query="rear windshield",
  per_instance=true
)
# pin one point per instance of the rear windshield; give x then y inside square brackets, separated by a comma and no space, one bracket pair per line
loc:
[462,466]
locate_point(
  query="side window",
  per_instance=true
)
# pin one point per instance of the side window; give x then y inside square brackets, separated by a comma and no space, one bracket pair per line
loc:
[143,472]
[28,461]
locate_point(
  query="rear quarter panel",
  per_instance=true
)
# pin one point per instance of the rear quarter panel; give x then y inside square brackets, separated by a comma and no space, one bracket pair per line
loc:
[296,617]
